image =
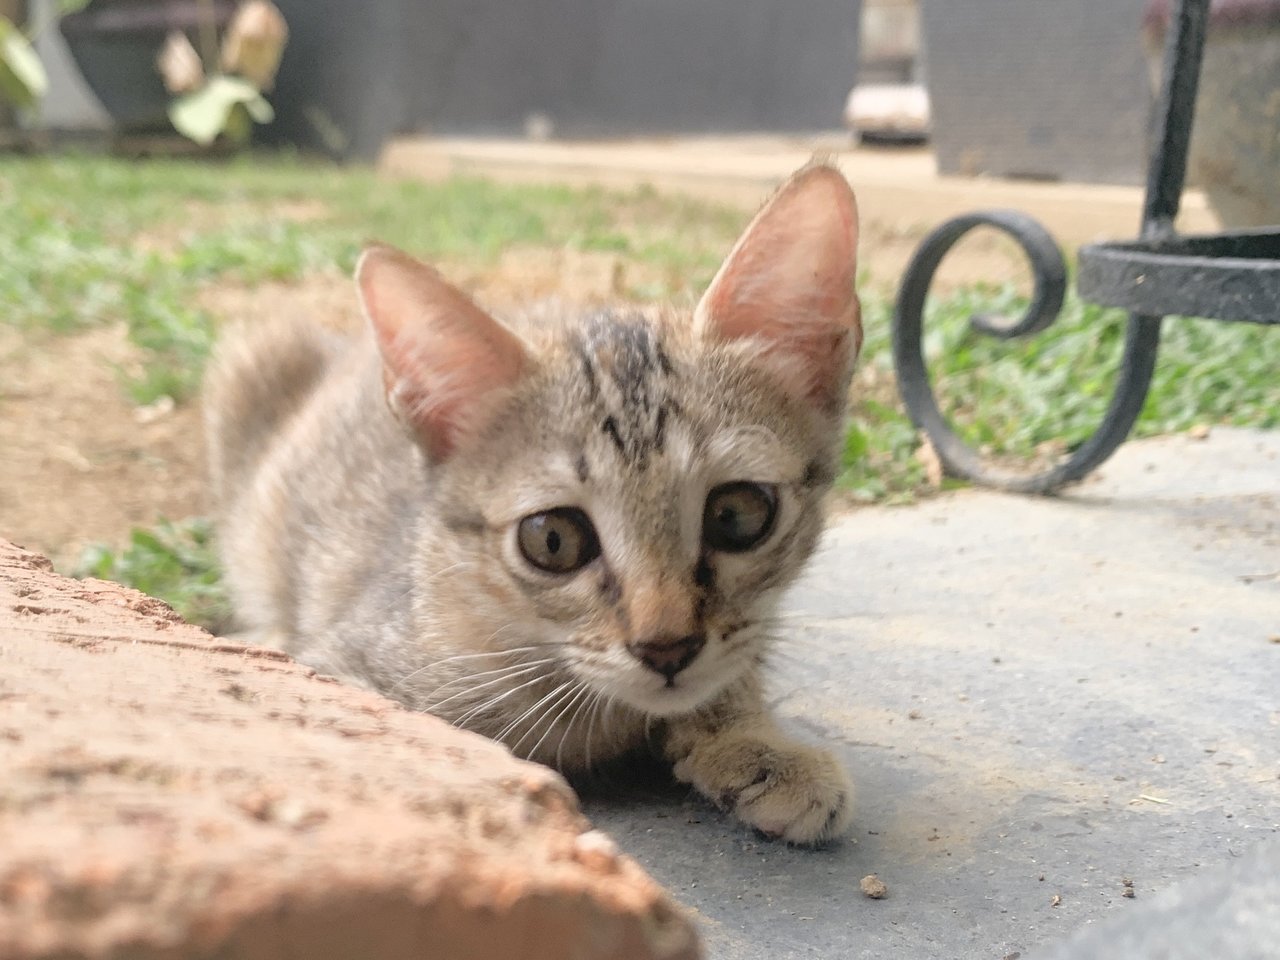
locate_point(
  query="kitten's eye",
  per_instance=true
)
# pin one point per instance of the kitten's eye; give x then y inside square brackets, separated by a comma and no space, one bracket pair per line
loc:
[739,515]
[558,541]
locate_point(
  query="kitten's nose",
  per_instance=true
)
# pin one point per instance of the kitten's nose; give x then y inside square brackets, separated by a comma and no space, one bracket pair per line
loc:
[668,655]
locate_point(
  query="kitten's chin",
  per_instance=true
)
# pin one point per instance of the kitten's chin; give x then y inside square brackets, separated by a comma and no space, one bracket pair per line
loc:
[672,701]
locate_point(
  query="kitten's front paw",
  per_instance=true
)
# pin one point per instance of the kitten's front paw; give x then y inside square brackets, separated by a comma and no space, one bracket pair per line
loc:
[783,789]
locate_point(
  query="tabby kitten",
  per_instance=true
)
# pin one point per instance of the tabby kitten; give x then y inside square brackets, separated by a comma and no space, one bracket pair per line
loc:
[566,532]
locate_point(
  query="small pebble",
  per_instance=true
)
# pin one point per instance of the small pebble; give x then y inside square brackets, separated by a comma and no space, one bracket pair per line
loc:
[873,887]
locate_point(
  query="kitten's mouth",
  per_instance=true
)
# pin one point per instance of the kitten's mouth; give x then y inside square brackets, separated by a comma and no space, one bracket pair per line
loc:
[672,696]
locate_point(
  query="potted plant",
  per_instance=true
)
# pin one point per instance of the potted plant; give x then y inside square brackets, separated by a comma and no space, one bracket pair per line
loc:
[201,67]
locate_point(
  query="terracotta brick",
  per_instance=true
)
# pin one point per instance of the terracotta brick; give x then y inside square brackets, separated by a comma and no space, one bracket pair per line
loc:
[164,794]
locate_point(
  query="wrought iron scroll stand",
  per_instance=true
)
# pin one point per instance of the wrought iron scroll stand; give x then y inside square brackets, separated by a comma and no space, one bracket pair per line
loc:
[1227,276]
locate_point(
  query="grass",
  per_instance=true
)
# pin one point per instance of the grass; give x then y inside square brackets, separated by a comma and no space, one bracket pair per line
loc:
[1048,393]
[92,240]
[173,561]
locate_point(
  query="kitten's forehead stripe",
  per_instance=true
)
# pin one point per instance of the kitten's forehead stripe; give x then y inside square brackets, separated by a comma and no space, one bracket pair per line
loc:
[588,369]
[627,371]
[610,426]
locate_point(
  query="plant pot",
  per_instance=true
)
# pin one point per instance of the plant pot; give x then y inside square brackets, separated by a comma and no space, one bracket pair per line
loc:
[1235,136]
[115,43]
[1037,89]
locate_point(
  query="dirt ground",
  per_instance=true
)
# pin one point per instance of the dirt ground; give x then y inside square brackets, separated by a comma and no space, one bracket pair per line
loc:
[83,465]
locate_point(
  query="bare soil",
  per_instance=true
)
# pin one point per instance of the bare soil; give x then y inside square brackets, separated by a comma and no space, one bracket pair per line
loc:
[79,465]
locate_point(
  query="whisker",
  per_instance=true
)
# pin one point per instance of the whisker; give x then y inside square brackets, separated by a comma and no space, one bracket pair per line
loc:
[546,714]
[510,673]
[577,704]
[493,702]
[434,664]
[571,697]
[515,724]
[594,711]
[491,653]
[471,677]
[497,670]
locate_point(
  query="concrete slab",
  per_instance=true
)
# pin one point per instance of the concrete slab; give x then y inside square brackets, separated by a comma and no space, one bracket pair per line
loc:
[1039,699]
[897,187]
[1232,911]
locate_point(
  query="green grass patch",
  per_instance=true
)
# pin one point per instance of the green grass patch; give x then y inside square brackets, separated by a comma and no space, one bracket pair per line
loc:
[173,561]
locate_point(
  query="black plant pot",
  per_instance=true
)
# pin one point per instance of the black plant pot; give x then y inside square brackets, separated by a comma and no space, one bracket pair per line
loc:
[115,44]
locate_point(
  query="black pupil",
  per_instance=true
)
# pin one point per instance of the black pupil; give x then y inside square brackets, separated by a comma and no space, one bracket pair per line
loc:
[558,541]
[739,515]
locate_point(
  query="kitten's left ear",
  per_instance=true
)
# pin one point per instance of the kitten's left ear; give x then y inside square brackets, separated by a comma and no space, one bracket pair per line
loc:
[788,284]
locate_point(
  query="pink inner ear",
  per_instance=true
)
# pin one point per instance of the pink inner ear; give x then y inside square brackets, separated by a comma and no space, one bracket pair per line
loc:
[447,363]
[789,282]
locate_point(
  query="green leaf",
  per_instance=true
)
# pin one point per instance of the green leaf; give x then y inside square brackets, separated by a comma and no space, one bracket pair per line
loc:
[203,115]
[22,78]
[71,6]
[855,446]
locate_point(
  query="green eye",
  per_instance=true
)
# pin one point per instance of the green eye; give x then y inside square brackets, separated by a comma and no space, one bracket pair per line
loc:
[739,515]
[558,541]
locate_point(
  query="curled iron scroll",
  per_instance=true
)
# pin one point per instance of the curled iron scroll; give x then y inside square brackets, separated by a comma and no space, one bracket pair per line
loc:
[1050,283]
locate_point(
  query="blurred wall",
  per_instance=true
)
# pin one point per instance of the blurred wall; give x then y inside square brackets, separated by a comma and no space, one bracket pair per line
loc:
[1051,89]
[356,72]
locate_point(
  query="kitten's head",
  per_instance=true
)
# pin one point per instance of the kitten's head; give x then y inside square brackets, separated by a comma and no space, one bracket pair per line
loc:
[627,491]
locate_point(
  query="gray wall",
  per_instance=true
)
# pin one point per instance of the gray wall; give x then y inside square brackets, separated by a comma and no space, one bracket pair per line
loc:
[1039,88]
[595,67]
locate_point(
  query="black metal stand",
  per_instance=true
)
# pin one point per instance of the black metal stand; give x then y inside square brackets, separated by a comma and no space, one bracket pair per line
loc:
[1229,276]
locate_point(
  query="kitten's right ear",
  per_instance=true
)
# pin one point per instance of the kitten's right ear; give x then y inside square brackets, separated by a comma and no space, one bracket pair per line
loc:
[447,365]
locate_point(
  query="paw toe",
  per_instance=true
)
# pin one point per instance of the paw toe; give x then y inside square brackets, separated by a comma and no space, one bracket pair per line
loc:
[804,803]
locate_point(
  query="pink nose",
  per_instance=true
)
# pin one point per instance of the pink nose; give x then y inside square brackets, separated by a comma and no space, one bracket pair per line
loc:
[668,655]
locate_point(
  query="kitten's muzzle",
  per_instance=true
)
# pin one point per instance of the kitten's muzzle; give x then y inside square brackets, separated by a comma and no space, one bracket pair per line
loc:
[668,655]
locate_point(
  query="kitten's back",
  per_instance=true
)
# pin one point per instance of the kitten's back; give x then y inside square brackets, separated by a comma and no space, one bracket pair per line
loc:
[259,376]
